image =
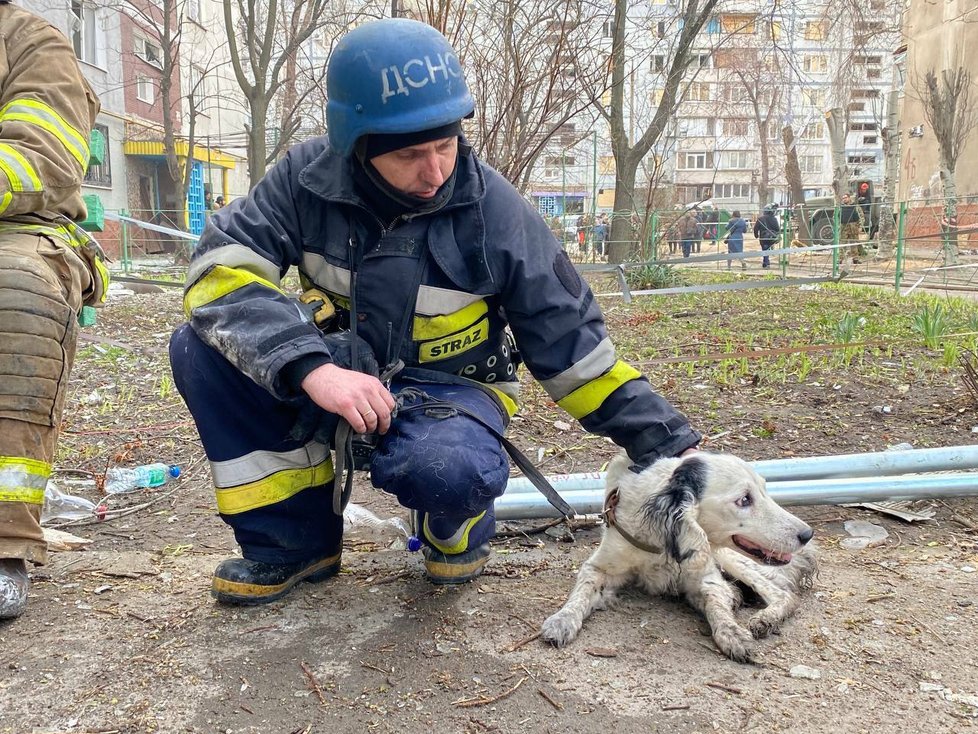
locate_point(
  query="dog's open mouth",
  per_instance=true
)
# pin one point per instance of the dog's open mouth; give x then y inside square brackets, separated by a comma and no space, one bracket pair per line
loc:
[764,555]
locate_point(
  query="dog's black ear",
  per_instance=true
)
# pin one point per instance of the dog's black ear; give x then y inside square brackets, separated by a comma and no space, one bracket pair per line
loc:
[665,512]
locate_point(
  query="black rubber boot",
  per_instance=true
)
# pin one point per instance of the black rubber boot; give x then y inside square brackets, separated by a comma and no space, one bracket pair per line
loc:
[457,568]
[240,581]
[455,550]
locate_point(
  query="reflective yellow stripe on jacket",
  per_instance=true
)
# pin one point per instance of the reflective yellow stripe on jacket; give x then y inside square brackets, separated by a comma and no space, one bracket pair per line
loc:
[217,283]
[23,480]
[589,397]
[264,478]
[19,172]
[35,112]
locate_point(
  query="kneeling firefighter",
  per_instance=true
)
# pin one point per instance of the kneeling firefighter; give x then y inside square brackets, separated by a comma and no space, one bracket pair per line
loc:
[412,252]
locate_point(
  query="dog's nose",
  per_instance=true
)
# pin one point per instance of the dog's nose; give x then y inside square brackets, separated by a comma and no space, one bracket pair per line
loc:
[805,535]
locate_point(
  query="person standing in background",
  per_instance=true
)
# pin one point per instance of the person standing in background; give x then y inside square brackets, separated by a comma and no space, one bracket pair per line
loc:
[766,230]
[736,227]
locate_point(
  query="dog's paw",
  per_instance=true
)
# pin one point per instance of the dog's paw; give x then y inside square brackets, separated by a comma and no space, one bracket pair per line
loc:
[760,625]
[559,629]
[735,642]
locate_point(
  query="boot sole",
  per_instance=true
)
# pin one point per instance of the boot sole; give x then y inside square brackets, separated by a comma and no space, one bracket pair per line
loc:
[244,594]
[444,574]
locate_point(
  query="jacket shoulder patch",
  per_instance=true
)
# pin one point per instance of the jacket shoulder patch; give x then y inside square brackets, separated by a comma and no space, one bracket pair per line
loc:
[567,275]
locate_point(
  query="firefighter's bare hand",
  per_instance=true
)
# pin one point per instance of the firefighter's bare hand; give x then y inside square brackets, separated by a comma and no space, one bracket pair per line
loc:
[359,398]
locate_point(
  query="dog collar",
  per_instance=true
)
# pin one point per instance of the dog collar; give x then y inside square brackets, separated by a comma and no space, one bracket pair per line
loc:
[610,505]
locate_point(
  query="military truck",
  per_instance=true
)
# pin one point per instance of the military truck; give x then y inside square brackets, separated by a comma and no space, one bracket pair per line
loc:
[821,212]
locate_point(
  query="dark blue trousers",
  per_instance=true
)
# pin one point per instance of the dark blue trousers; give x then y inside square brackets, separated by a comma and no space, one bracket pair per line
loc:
[236,418]
[242,424]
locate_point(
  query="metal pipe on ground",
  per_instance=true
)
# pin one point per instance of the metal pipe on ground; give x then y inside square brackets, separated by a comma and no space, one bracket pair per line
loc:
[879,463]
[835,491]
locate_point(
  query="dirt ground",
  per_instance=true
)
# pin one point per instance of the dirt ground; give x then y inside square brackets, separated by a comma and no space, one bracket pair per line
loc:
[123,636]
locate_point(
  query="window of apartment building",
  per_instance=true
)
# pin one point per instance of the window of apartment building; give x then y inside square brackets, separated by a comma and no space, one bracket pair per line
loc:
[101,175]
[149,52]
[775,30]
[738,23]
[869,26]
[736,126]
[655,96]
[863,127]
[660,29]
[606,165]
[701,60]
[697,92]
[815,30]
[195,10]
[697,127]
[145,91]
[731,191]
[608,29]
[733,92]
[813,97]
[197,86]
[734,159]
[657,62]
[856,107]
[698,161]
[810,163]
[689,194]
[713,25]
[874,73]
[87,37]
[870,139]
[815,63]
[813,131]
[861,158]
[863,60]
[865,93]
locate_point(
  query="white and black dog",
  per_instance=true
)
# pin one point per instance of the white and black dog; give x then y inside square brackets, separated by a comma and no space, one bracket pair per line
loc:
[694,527]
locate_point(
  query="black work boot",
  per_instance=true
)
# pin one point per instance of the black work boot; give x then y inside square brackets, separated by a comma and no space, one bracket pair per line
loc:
[455,551]
[240,581]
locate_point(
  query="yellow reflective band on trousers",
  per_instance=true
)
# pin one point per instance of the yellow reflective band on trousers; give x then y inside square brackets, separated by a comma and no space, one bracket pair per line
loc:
[459,542]
[588,398]
[18,170]
[273,488]
[217,283]
[23,480]
[35,112]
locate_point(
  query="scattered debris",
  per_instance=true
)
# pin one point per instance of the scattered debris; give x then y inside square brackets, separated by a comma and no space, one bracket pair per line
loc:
[863,535]
[59,540]
[803,671]
[902,510]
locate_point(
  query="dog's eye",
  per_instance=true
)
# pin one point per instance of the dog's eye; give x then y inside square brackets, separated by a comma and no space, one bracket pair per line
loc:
[744,501]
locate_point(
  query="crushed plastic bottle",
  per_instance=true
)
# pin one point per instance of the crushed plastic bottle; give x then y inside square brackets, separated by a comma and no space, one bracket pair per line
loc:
[61,506]
[362,524]
[120,479]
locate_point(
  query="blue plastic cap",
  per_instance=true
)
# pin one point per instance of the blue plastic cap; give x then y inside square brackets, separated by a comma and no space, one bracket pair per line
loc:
[414,544]
[174,471]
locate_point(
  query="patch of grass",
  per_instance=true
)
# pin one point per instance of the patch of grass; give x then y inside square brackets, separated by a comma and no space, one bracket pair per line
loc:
[652,277]
[932,322]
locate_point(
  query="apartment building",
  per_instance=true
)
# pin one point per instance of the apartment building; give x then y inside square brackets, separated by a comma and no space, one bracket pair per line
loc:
[755,69]
[938,36]
[120,51]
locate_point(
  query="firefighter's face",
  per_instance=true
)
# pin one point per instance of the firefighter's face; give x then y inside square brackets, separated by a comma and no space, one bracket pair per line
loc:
[419,170]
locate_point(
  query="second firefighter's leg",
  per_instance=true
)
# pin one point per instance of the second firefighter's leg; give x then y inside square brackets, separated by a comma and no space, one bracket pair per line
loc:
[273,490]
[449,469]
[41,281]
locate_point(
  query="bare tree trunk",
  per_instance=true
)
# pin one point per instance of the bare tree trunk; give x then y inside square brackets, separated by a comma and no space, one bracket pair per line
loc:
[836,122]
[891,149]
[792,172]
[949,224]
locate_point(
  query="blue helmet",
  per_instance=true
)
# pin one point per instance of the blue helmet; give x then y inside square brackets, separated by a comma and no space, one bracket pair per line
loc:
[392,76]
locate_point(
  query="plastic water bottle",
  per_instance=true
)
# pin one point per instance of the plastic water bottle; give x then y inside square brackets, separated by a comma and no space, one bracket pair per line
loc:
[121,479]
[61,506]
